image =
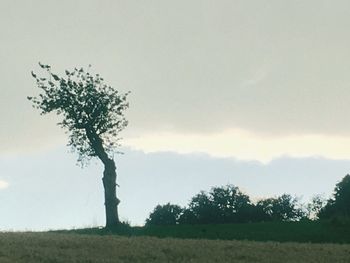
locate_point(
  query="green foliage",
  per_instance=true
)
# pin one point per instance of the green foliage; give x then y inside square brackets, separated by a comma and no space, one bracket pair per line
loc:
[282,208]
[317,203]
[339,205]
[202,209]
[302,231]
[92,112]
[227,204]
[167,214]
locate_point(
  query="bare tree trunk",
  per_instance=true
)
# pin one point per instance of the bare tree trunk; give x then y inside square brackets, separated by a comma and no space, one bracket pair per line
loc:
[111,200]
[109,179]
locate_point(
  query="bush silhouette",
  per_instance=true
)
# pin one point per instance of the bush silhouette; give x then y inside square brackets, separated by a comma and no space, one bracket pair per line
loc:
[227,204]
[282,208]
[339,205]
[165,215]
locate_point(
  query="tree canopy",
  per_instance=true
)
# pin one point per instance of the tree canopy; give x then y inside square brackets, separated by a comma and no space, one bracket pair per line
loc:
[167,214]
[339,204]
[93,112]
[227,204]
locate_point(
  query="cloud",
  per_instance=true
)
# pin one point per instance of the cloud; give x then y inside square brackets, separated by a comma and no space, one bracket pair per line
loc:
[145,180]
[270,69]
[245,145]
[3,184]
[256,78]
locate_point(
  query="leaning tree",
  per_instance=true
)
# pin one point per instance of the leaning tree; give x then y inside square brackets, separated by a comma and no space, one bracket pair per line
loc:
[93,115]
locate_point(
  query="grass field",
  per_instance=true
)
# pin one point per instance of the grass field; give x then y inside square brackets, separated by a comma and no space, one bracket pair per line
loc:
[255,242]
[58,247]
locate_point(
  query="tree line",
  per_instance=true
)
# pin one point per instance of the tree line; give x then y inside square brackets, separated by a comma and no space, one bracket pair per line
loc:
[228,204]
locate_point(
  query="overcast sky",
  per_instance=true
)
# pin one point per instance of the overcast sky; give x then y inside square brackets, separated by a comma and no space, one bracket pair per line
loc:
[246,81]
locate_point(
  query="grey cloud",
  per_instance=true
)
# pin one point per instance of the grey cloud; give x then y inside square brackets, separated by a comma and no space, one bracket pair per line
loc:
[270,67]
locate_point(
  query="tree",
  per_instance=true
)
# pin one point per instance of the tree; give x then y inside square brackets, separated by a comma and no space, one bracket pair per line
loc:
[231,204]
[226,204]
[339,205]
[93,115]
[316,204]
[188,217]
[282,208]
[202,209]
[167,214]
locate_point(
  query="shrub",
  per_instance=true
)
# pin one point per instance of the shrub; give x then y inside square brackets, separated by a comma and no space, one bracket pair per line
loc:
[167,214]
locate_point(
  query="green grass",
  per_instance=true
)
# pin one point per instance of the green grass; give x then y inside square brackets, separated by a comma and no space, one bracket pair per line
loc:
[314,232]
[60,247]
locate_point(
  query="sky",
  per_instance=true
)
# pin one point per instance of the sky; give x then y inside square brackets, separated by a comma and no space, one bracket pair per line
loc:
[251,93]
